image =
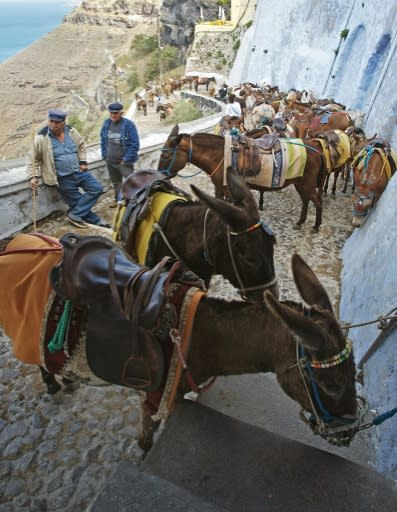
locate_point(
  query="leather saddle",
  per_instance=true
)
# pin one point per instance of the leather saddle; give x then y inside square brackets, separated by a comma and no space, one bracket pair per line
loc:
[137,191]
[251,152]
[129,314]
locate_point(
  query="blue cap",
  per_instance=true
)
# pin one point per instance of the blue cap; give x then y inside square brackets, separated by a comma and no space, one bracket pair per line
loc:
[115,107]
[56,115]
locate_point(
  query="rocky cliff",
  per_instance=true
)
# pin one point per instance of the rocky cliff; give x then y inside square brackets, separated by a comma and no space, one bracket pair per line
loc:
[115,13]
[178,20]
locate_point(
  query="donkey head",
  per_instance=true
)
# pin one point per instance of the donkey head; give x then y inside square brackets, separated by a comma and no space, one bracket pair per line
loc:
[322,380]
[248,247]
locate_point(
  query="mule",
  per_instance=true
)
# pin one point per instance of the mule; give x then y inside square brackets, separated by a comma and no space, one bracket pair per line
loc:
[302,344]
[211,236]
[373,168]
[203,81]
[342,147]
[308,126]
[207,151]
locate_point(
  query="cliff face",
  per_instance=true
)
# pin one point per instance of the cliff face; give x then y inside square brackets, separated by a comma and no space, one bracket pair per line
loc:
[116,13]
[178,20]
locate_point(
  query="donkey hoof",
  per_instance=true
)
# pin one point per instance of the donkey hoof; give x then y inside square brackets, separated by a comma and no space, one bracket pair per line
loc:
[53,388]
[69,386]
[297,226]
[316,229]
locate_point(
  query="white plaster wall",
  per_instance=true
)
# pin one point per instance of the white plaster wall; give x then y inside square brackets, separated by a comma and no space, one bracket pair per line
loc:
[292,44]
[369,289]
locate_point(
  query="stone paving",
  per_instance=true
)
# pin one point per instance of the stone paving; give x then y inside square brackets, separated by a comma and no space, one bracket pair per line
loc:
[56,453]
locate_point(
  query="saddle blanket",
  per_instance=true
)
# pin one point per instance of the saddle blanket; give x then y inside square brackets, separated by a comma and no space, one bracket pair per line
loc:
[280,165]
[26,290]
[159,201]
[336,157]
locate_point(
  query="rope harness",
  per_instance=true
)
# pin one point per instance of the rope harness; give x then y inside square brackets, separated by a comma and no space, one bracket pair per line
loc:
[339,431]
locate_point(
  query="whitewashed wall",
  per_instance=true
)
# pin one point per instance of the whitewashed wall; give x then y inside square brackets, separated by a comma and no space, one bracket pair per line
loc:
[369,289]
[297,44]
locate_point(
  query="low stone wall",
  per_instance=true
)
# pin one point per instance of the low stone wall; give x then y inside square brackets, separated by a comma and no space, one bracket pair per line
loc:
[19,207]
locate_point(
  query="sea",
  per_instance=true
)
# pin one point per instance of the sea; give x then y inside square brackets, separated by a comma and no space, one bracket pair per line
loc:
[23,22]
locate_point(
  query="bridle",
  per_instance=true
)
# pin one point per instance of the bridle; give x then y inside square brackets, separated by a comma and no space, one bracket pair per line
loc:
[242,290]
[336,430]
[340,430]
[174,149]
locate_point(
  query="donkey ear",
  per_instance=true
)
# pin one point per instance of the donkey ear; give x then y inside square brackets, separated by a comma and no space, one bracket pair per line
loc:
[228,212]
[174,131]
[311,335]
[239,190]
[309,287]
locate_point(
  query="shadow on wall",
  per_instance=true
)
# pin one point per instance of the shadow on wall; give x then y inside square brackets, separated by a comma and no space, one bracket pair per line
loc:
[372,71]
[349,54]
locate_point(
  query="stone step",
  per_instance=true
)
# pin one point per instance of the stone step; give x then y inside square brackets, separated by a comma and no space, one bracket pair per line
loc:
[134,490]
[238,467]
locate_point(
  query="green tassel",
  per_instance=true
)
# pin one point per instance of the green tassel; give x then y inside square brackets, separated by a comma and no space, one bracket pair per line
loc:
[57,341]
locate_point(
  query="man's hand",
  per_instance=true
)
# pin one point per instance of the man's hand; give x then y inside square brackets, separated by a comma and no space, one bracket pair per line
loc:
[83,167]
[34,183]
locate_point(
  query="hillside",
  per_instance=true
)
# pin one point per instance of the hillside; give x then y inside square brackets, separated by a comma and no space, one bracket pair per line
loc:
[71,68]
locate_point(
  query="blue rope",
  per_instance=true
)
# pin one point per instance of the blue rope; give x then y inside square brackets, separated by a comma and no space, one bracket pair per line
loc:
[383,417]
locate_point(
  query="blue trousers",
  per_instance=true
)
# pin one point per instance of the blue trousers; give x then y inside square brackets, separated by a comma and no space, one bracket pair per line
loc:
[80,203]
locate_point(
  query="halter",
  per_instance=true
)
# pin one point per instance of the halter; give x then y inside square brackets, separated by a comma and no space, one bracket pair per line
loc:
[244,289]
[174,150]
[337,430]
[169,169]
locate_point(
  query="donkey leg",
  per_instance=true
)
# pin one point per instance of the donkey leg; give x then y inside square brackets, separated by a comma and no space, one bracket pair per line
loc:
[50,381]
[336,175]
[260,204]
[147,427]
[325,190]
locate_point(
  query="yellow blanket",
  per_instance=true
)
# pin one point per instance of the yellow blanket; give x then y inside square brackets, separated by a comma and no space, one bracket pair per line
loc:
[159,201]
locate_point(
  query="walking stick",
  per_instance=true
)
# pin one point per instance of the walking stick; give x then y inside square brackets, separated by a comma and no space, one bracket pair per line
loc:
[34,212]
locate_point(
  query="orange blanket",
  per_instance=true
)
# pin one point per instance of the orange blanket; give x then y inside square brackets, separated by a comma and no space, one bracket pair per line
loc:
[25,290]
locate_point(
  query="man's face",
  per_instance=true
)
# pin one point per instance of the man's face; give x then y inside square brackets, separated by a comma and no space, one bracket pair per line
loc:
[115,116]
[56,126]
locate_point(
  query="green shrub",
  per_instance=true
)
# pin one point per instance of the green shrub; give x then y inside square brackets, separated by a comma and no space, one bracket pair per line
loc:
[142,45]
[236,45]
[184,111]
[133,80]
[248,24]
[76,123]
[344,33]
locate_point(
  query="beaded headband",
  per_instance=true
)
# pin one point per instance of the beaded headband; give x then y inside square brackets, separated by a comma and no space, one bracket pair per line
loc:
[334,360]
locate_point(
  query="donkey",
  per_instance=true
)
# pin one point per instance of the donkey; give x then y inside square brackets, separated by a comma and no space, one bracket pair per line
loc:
[207,151]
[211,236]
[304,346]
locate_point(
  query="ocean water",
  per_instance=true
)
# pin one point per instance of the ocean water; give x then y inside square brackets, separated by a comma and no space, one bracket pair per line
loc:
[24,21]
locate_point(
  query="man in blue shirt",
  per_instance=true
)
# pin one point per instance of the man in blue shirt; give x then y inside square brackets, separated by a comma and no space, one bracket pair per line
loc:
[119,146]
[59,158]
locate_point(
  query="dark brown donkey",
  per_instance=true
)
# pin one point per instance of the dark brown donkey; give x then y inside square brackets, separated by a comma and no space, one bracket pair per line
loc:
[206,151]
[304,346]
[212,236]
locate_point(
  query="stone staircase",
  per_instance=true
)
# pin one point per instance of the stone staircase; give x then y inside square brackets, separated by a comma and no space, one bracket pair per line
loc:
[206,461]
